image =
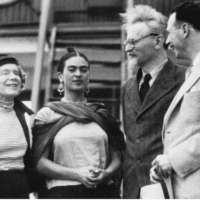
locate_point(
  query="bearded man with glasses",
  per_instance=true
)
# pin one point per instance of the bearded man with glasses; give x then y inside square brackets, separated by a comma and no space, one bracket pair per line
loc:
[146,95]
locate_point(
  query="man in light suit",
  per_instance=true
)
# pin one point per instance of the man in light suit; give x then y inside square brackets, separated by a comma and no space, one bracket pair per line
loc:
[181,128]
[143,115]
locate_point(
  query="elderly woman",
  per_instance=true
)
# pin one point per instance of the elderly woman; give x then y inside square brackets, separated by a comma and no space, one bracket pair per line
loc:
[78,146]
[15,154]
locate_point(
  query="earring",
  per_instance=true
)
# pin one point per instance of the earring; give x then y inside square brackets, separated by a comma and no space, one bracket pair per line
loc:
[60,88]
[87,90]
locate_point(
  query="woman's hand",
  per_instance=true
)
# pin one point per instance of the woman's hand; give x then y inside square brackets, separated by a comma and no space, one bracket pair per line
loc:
[99,176]
[103,175]
[87,176]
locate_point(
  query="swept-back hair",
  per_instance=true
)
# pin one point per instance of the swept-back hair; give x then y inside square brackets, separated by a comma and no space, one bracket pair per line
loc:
[188,11]
[156,21]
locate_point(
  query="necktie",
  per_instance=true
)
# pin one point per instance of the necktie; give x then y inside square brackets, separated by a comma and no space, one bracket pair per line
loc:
[145,87]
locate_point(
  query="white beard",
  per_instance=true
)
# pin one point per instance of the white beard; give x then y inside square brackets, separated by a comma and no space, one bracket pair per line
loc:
[132,64]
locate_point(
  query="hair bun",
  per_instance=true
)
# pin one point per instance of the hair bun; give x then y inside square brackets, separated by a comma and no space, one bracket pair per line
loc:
[70,50]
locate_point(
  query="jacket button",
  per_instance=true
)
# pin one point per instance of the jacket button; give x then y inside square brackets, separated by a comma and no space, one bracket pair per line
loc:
[138,162]
[139,121]
[168,132]
[138,141]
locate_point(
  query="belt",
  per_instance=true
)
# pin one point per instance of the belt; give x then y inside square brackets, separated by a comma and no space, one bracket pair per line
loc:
[2,168]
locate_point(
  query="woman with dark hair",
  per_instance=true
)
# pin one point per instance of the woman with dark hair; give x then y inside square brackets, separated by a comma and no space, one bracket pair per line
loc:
[78,146]
[15,153]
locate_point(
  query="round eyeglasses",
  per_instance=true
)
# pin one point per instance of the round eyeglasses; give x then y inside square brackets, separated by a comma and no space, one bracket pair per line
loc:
[132,42]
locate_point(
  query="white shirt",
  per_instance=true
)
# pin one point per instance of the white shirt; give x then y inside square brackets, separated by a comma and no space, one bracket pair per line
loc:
[194,68]
[196,62]
[154,73]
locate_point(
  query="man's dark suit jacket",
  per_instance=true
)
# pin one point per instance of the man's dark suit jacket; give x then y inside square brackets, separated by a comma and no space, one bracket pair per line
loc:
[143,125]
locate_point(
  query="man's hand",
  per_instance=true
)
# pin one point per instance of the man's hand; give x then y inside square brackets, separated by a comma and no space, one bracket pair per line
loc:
[154,178]
[163,167]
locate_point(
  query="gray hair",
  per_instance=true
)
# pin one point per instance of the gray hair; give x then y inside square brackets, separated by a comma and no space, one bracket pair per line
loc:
[155,20]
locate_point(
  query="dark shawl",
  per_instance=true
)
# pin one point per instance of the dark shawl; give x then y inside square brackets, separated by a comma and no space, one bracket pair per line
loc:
[43,134]
[20,109]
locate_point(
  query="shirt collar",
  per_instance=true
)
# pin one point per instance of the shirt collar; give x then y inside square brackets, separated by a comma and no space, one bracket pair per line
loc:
[195,62]
[154,73]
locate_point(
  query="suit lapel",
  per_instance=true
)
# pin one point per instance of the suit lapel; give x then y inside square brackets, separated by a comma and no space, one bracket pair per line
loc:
[133,93]
[164,82]
[184,88]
